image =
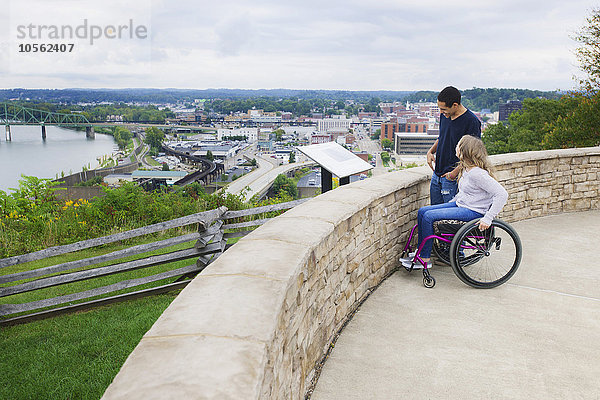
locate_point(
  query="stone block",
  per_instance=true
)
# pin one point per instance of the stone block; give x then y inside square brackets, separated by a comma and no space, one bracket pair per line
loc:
[505,175]
[548,166]
[580,177]
[584,186]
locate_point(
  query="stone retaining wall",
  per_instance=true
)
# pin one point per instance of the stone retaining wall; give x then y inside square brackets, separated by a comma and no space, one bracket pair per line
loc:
[257,321]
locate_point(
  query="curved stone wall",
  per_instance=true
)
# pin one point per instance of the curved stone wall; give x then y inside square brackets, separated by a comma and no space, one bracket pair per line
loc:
[257,321]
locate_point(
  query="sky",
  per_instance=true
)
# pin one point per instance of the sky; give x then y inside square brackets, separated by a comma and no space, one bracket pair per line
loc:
[309,44]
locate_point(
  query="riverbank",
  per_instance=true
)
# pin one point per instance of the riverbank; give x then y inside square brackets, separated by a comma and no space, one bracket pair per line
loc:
[64,152]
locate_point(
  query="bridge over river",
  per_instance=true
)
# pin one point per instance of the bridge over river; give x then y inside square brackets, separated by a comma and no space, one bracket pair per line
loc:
[13,114]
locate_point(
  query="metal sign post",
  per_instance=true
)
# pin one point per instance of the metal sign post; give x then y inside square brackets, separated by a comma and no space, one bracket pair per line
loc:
[335,160]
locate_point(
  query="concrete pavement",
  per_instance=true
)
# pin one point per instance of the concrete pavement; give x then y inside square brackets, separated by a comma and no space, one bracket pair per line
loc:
[536,337]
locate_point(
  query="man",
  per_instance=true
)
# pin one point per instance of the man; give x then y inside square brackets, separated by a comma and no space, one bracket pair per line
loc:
[455,122]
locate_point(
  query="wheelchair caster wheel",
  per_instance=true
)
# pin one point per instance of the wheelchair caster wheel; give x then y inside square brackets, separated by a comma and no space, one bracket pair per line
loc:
[429,281]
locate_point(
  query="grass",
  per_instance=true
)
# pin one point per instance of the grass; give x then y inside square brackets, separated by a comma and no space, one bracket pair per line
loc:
[152,161]
[74,356]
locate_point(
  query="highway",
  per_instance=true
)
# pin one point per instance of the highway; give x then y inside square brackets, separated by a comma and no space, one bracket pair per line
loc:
[259,180]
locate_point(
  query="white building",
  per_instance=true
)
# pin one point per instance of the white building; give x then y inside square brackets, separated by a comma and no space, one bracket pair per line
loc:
[269,119]
[328,124]
[250,133]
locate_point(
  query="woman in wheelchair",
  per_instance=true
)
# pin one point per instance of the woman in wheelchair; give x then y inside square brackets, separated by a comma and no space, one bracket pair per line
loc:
[479,196]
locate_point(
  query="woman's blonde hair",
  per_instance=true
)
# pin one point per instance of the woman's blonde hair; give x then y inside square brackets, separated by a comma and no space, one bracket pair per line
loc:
[473,154]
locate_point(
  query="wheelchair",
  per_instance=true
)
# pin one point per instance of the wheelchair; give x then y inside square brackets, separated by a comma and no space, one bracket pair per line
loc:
[481,259]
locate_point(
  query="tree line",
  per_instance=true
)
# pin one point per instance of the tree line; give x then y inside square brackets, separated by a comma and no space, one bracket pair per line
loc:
[477,99]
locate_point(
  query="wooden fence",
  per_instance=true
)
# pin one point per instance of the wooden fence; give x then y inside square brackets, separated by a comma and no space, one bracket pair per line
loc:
[35,290]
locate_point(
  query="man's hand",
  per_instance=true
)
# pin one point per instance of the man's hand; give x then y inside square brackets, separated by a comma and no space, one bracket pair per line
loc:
[483,226]
[430,160]
[452,175]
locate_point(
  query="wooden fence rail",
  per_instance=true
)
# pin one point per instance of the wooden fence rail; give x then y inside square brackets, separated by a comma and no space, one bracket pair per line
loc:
[214,229]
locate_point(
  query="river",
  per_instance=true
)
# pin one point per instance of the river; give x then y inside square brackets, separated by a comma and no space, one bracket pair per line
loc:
[64,150]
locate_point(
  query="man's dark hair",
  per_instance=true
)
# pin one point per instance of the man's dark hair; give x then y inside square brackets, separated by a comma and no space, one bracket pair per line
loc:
[449,96]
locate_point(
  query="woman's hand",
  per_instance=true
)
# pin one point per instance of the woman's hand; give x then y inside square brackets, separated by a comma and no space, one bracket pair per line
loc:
[483,226]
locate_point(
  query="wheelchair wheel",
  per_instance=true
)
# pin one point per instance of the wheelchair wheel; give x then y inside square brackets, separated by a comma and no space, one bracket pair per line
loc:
[485,259]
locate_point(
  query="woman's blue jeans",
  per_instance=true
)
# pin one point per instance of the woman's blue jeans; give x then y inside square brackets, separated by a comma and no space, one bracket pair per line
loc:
[429,214]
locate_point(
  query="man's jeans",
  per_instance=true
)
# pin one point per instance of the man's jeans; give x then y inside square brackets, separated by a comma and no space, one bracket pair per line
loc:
[442,190]
[429,214]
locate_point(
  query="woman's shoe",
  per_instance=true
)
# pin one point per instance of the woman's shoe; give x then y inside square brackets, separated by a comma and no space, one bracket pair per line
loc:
[416,264]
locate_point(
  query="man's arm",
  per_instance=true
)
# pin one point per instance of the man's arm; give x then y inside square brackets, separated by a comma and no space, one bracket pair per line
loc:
[431,155]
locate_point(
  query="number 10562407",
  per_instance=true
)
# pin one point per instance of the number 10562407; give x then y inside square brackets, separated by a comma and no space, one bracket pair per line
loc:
[46,48]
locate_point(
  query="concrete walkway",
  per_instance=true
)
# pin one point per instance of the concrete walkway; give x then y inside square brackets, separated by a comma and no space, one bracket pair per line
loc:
[536,337]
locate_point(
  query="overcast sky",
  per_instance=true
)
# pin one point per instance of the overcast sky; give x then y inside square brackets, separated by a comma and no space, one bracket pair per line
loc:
[309,44]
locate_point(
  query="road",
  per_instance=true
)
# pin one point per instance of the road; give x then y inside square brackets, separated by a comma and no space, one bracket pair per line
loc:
[373,147]
[262,178]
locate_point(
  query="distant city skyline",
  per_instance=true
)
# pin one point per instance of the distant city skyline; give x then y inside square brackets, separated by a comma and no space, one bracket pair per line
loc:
[332,45]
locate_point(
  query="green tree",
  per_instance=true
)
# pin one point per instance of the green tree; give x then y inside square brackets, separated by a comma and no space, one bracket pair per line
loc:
[165,167]
[495,137]
[292,157]
[588,54]
[385,156]
[279,134]
[285,185]
[376,135]
[527,129]
[578,128]
[209,155]
[154,138]
[387,144]
[122,136]
[534,122]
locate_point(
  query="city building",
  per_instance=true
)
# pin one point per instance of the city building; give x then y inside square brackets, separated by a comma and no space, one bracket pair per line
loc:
[391,108]
[364,114]
[388,129]
[428,109]
[186,115]
[251,134]
[266,119]
[413,124]
[319,138]
[221,152]
[413,144]
[330,124]
[508,108]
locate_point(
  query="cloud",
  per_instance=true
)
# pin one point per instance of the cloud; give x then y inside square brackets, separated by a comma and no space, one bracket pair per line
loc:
[350,44]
